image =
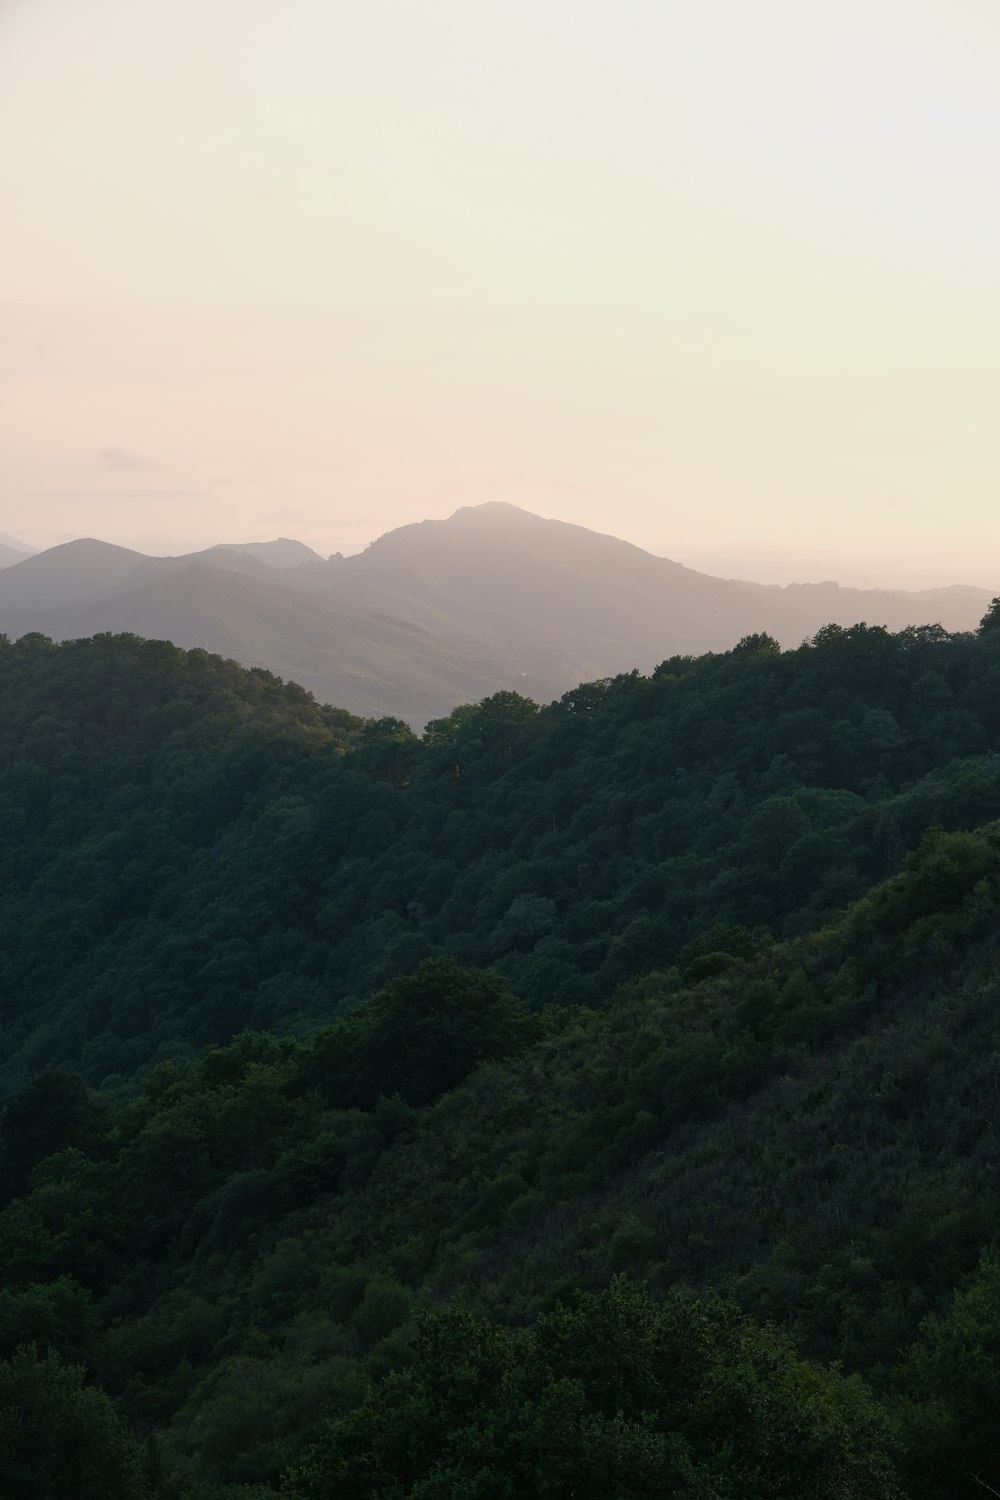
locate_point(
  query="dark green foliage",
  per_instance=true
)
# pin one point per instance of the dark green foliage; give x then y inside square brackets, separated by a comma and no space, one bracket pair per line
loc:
[124,764]
[411,1046]
[61,1439]
[990,622]
[419,1037]
[56,1315]
[190,850]
[609,1395]
[53,1112]
[801,1128]
[759,644]
[952,1385]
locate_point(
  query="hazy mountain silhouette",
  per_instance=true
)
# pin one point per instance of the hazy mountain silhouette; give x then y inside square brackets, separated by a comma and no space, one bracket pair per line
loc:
[559,603]
[284,552]
[441,612]
[220,601]
[72,573]
[12,551]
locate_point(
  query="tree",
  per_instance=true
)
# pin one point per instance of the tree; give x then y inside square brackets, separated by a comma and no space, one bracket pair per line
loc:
[53,1112]
[389,751]
[605,1395]
[61,1439]
[419,1036]
[990,623]
[759,644]
[953,1380]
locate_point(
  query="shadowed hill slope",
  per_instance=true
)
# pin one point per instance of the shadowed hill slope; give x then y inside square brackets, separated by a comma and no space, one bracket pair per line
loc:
[740,1035]
[806,1126]
[232,609]
[573,847]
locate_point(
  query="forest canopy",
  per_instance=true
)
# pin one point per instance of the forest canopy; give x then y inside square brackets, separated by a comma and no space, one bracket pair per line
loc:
[595,1094]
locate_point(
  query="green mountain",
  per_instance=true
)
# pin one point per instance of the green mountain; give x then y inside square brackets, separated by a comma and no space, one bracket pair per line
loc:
[536,1107]
[572,847]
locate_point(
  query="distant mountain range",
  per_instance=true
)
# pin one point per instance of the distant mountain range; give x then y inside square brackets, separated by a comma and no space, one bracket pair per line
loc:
[440,612]
[12,551]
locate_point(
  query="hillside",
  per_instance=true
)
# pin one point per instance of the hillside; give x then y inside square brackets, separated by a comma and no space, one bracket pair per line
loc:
[284,552]
[573,847]
[557,598]
[228,605]
[756,1132]
[71,574]
[11,552]
[441,612]
[737,1048]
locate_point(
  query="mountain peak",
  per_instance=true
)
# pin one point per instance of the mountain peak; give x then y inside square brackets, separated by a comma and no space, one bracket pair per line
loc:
[81,550]
[495,510]
[283,552]
[70,573]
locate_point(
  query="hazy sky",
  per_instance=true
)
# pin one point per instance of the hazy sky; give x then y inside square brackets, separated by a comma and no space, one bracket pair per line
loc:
[718,277]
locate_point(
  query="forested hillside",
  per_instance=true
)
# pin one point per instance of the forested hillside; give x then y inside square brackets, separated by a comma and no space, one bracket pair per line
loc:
[539,1107]
[214,852]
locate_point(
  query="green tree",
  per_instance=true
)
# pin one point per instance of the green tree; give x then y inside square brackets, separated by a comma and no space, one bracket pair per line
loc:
[53,1112]
[419,1036]
[952,1378]
[61,1439]
[759,644]
[990,623]
[606,1395]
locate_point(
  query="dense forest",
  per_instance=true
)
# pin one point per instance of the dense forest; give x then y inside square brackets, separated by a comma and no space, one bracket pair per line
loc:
[595,1099]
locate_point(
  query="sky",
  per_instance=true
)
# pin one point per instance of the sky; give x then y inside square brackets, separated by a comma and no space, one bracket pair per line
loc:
[715,277]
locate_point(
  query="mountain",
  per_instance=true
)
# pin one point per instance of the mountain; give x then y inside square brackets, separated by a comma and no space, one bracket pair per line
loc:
[548,1100]
[226,604]
[561,604]
[12,551]
[282,553]
[574,847]
[71,574]
[441,612]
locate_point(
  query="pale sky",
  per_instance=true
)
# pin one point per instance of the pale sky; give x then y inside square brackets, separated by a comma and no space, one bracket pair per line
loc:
[718,277]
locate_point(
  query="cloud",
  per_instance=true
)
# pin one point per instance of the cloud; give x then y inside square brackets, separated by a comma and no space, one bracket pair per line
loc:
[121,461]
[114,495]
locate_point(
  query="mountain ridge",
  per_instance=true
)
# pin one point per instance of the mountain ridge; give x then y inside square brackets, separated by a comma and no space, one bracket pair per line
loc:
[443,611]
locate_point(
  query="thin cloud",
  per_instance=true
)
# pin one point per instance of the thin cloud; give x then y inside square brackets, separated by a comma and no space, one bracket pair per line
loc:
[122,461]
[114,495]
